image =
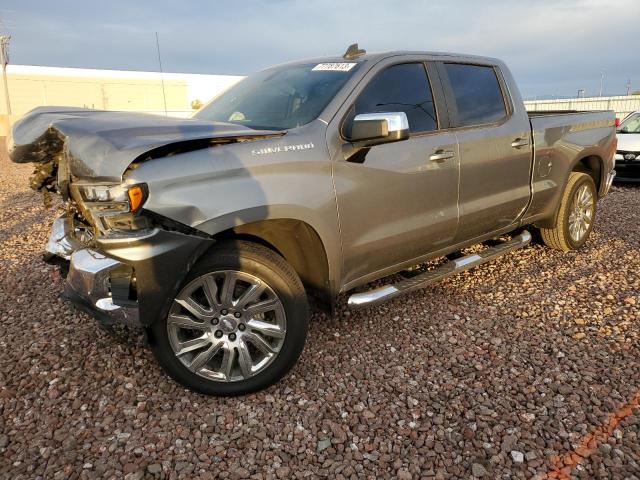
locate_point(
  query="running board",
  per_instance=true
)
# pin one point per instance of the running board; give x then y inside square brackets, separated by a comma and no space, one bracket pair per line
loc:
[382,294]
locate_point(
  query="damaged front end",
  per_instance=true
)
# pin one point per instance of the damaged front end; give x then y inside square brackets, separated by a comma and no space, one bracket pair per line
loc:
[128,279]
[122,276]
[96,214]
[124,263]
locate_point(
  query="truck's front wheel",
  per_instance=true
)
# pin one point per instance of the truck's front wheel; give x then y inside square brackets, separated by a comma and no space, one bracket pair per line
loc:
[575,215]
[238,324]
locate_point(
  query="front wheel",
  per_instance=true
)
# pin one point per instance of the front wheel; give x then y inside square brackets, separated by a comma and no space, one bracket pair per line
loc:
[238,323]
[575,215]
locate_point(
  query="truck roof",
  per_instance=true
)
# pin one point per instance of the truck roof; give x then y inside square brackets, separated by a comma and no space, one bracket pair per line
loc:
[377,56]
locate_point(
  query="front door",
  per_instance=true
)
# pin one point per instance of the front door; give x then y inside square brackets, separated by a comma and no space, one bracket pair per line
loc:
[399,201]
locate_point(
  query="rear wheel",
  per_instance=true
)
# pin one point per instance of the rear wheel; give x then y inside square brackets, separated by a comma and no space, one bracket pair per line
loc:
[238,323]
[575,216]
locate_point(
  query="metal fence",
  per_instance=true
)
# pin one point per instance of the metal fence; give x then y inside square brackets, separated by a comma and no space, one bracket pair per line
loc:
[622,105]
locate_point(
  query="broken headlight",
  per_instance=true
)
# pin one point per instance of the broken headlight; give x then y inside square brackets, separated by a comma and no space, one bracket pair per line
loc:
[112,207]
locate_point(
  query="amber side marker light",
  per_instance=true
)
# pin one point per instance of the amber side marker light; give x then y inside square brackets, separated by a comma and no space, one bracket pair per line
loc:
[136,197]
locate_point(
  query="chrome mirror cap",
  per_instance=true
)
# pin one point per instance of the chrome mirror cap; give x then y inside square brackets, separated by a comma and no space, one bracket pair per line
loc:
[396,121]
[369,129]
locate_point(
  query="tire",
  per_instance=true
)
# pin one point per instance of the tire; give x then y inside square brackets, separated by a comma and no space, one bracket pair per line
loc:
[250,267]
[562,236]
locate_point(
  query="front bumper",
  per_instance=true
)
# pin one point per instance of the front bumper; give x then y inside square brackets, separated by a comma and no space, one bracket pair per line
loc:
[63,240]
[628,172]
[127,279]
[627,166]
[88,287]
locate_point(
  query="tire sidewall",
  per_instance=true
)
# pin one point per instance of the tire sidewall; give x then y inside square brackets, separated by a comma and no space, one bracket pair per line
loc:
[585,179]
[290,293]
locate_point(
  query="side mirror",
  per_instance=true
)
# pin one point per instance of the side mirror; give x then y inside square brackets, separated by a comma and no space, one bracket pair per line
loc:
[368,129]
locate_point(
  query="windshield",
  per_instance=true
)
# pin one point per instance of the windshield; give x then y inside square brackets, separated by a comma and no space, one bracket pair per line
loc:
[280,98]
[631,124]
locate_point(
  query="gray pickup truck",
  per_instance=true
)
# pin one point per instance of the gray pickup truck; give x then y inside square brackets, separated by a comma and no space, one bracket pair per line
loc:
[299,183]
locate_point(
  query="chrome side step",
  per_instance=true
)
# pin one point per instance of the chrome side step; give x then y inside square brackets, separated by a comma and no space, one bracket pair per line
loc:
[382,294]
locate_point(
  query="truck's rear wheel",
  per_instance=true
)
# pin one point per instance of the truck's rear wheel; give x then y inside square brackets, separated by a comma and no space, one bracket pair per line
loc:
[237,325]
[575,216]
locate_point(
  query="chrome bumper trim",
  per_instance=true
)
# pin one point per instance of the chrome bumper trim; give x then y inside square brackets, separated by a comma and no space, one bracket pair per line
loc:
[61,242]
[88,285]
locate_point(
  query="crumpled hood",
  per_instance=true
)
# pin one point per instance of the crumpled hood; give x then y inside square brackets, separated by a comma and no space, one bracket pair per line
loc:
[629,142]
[102,144]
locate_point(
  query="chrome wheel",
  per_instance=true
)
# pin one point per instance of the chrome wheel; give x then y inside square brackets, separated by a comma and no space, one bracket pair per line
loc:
[226,326]
[581,213]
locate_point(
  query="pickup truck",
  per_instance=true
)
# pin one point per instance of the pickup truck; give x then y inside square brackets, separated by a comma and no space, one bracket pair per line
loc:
[304,181]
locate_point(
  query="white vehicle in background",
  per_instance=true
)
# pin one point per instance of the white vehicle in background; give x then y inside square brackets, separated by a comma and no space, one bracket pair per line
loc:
[628,152]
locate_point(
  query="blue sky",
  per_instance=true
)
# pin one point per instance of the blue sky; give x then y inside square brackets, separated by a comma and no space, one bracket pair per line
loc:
[553,47]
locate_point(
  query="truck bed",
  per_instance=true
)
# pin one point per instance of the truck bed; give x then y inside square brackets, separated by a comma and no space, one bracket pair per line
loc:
[558,137]
[543,123]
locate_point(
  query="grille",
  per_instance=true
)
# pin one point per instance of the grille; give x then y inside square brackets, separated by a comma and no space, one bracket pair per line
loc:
[624,157]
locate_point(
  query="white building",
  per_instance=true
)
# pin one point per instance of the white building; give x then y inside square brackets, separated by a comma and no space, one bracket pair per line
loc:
[33,86]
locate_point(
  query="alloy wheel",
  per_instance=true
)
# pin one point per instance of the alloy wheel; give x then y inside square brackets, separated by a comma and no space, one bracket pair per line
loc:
[581,213]
[226,326]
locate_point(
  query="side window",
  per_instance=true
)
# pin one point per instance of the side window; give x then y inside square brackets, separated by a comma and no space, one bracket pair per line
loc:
[401,88]
[476,93]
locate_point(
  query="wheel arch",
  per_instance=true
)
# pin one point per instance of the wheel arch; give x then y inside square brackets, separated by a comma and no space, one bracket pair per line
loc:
[592,165]
[300,245]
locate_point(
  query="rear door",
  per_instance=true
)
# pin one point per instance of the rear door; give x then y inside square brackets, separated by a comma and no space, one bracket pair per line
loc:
[398,201]
[494,145]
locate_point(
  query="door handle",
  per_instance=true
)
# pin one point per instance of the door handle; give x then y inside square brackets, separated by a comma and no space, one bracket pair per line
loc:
[520,142]
[441,155]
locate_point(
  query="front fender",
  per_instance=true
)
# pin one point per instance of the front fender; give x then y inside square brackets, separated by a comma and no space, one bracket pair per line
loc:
[224,187]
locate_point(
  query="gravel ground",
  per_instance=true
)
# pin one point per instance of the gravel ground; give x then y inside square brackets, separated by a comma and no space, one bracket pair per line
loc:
[527,367]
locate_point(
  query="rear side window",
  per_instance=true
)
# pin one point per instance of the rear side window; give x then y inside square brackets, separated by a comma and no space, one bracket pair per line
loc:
[401,88]
[476,93]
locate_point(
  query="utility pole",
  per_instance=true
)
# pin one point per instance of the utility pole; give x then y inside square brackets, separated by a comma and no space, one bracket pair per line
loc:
[4,59]
[628,86]
[164,97]
[601,81]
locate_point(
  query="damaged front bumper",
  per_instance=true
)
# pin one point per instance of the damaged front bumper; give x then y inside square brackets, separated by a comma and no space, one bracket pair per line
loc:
[129,278]
[88,287]
[65,238]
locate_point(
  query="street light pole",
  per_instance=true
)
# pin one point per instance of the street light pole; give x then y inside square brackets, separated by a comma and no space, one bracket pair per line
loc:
[4,59]
[601,81]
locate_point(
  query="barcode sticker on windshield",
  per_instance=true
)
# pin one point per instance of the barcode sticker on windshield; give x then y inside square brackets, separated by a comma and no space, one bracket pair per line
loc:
[334,67]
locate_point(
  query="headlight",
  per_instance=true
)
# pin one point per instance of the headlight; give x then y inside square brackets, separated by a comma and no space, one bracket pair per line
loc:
[121,198]
[111,206]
